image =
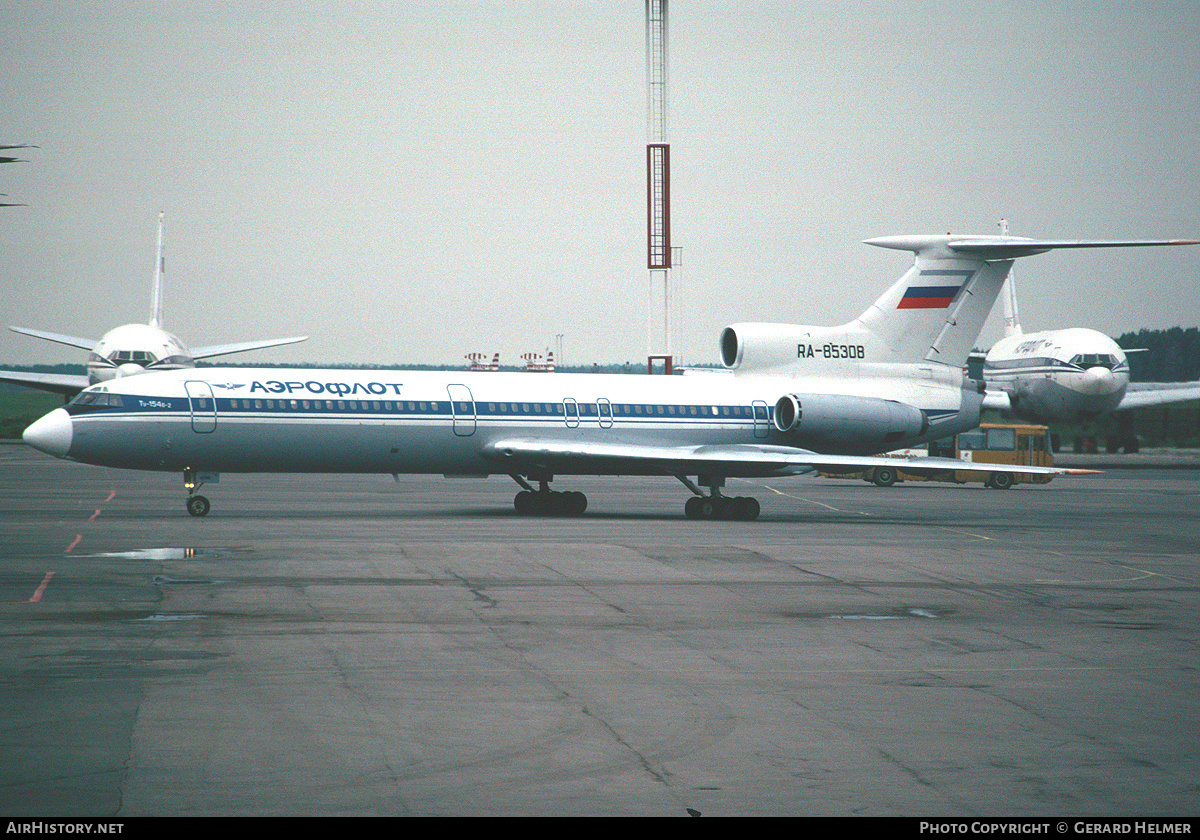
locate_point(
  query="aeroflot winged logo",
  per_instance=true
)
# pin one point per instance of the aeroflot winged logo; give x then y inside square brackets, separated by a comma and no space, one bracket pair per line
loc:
[937,296]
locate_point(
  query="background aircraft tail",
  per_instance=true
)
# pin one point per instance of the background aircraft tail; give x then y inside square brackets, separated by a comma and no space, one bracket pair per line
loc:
[156,296]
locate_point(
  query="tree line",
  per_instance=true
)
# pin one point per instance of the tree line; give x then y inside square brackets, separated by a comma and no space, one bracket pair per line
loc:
[1171,355]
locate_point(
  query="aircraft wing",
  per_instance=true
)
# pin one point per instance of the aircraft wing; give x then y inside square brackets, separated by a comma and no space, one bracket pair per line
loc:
[242,346]
[1143,394]
[59,383]
[519,454]
[69,340]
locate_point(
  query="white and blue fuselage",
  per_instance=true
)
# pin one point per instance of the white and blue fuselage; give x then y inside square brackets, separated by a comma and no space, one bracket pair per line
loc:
[379,421]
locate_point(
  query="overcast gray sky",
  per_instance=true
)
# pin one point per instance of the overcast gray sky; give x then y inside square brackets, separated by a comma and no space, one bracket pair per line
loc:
[411,182]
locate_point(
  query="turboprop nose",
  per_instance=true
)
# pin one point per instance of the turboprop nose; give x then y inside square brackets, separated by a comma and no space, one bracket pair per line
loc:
[51,434]
[1099,380]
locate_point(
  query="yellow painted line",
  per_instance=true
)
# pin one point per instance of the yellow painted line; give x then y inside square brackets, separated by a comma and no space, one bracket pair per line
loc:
[801,498]
[1143,574]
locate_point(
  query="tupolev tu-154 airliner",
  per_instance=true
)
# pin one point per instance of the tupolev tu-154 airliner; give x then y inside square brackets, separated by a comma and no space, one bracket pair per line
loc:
[793,399]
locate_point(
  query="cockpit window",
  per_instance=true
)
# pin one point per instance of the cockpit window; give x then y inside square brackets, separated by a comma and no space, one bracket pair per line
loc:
[137,357]
[92,400]
[1090,360]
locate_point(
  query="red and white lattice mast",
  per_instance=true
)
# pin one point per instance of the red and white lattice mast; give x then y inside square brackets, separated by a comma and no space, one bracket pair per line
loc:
[660,255]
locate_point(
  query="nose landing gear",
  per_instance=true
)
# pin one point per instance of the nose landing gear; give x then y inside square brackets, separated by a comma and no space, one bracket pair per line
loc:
[197,505]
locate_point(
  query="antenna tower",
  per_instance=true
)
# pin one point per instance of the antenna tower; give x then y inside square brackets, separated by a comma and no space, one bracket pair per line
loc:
[660,255]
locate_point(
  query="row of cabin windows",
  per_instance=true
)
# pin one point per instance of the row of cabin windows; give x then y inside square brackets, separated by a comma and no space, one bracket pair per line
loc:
[586,409]
[326,405]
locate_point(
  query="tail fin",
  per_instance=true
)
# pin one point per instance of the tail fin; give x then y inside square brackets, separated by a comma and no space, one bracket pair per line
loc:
[156,297]
[936,311]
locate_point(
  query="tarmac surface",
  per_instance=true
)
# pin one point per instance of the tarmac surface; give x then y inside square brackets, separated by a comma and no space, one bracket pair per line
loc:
[350,645]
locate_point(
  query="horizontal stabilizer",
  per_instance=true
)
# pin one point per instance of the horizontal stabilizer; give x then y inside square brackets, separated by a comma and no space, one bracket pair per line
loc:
[69,340]
[1008,247]
[242,347]
[58,383]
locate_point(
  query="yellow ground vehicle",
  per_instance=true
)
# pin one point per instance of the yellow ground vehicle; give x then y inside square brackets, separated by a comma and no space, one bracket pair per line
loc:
[991,443]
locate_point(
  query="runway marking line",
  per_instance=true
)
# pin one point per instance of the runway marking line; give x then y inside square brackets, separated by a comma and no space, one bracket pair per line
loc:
[112,494]
[979,537]
[37,596]
[809,501]
[1143,574]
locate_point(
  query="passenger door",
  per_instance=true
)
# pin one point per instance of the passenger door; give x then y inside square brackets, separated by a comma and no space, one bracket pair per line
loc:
[604,413]
[762,419]
[571,412]
[203,406]
[462,409]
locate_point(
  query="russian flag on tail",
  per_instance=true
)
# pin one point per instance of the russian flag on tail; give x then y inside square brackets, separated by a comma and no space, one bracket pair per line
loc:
[928,297]
[936,295]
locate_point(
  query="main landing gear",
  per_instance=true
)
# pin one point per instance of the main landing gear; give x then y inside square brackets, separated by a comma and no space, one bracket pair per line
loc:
[197,505]
[716,506]
[547,502]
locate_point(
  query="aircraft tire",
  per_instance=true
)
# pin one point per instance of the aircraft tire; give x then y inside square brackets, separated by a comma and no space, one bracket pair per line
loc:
[884,476]
[574,503]
[746,508]
[198,506]
[553,503]
[1000,481]
[524,502]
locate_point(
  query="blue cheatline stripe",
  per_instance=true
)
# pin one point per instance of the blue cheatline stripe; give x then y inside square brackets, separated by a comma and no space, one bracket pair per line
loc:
[623,414]
[646,412]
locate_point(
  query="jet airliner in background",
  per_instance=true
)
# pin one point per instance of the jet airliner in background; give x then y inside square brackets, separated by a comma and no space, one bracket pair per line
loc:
[130,349]
[795,399]
[1073,374]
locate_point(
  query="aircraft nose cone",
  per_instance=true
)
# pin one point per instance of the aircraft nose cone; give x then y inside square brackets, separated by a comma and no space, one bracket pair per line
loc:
[51,434]
[1098,380]
[129,369]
